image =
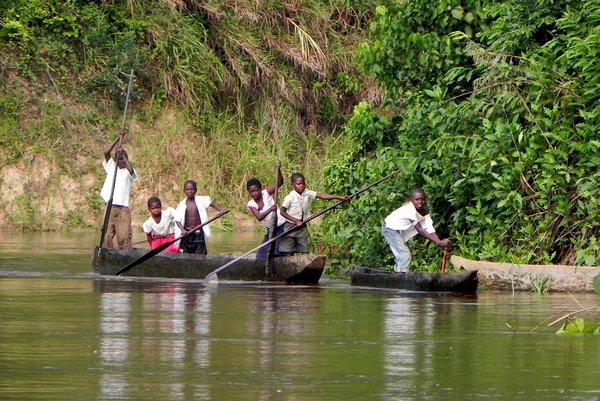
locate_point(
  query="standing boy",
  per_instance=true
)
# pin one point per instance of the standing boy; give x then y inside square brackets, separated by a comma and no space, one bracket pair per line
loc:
[402,224]
[263,207]
[295,209]
[191,212]
[119,223]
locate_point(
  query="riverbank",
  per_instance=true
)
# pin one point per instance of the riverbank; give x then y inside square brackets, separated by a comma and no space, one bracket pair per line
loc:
[46,190]
[537,278]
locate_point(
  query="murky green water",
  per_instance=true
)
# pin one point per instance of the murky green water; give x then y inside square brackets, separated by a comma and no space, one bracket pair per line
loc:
[68,335]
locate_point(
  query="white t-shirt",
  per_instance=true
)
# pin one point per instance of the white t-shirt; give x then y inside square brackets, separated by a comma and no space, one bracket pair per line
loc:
[164,227]
[202,203]
[122,183]
[297,205]
[267,203]
[405,218]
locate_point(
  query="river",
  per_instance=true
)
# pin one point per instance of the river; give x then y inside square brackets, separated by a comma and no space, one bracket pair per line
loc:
[66,334]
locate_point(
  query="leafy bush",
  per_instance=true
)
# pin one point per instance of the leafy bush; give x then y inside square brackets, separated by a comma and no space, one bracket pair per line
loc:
[492,109]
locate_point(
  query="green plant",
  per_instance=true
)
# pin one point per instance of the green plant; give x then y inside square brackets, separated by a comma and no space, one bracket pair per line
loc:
[94,202]
[74,219]
[489,106]
[25,213]
[577,325]
[540,284]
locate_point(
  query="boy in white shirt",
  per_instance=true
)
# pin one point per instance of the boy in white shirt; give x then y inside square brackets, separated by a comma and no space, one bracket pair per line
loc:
[160,227]
[402,224]
[119,223]
[191,212]
[295,209]
[263,207]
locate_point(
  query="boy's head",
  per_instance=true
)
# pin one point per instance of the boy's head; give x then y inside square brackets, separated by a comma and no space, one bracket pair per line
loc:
[298,182]
[121,158]
[417,198]
[190,189]
[154,206]
[254,188]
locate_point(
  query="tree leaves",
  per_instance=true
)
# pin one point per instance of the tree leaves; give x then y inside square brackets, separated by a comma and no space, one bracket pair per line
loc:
[499,126]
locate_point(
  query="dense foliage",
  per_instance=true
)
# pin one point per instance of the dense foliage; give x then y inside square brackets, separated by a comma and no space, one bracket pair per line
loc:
[222,90]
[493,108]
[208,56]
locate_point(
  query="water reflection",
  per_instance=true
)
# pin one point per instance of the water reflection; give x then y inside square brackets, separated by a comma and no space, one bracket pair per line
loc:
[180,331]
[66,334]
[179,340]
[114,342]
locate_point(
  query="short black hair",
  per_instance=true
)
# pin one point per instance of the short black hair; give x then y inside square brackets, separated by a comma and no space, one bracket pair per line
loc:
[416,190]
[295,176]
[190,182]
[154,200]
[253,182]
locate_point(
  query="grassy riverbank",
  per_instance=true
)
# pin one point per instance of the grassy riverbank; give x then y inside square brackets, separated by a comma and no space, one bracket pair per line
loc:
[52,174]
[220,93]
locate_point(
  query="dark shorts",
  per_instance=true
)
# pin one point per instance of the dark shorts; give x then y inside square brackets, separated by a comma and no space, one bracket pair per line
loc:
[262,252]
[296,241]
[194,243]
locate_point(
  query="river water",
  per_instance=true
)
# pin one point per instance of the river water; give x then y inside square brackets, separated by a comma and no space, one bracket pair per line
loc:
[66,334]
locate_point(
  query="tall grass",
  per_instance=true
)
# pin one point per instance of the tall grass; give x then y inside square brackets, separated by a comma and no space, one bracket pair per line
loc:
[223,159]
[222,90]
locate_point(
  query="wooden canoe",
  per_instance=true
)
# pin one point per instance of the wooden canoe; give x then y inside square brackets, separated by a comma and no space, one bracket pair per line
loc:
[464,281]
[298,269]
[513,276]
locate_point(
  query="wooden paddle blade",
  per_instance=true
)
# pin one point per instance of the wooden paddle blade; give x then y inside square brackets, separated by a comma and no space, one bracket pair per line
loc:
[443,267]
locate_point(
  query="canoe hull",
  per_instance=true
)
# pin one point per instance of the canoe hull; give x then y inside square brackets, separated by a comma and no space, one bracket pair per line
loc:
[512,276]
[299,269]
[464,282]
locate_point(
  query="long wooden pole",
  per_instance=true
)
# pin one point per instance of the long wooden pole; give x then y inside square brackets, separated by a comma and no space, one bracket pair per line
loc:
[112,189]
[273,227]
[212,276]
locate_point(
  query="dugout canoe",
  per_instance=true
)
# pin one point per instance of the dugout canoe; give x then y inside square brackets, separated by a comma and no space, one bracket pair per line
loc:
[463,281]
[298,269]
[521,277]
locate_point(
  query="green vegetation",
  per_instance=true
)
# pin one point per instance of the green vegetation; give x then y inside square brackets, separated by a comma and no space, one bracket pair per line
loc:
[577,325]
[491,107]
[540,283]
[574,324]
[222,89]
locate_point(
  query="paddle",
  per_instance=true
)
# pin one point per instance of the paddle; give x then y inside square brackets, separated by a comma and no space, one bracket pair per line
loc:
[164,246]
[443,267]
[112,190]
[273,227]
[212,276]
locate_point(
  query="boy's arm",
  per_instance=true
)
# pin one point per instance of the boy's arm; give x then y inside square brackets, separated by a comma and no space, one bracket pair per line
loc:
[128,164]
[216,207]
[432,236]
[149,236]
[183,230]
[270,189]
[286,216]
[110,147]
[332,197]
[261,216]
